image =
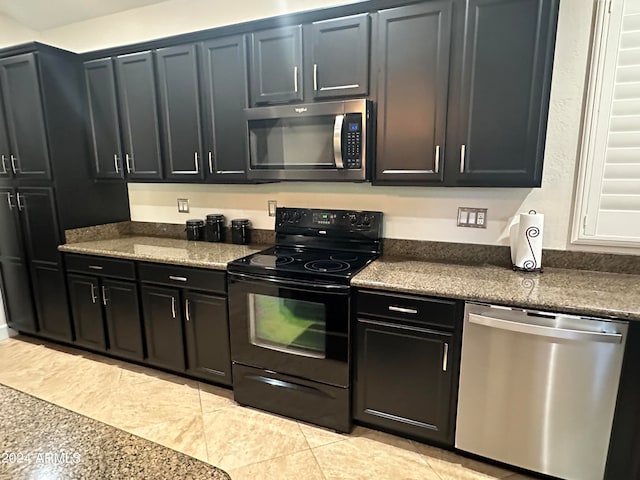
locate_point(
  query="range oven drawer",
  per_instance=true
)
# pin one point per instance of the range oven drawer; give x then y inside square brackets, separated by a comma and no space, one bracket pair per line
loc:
[183,277]
[293,397]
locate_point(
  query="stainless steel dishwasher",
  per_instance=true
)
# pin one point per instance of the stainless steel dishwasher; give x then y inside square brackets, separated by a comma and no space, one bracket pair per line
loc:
[538,390]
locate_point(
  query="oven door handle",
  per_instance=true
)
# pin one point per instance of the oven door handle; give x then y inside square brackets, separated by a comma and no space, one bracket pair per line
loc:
[292,284]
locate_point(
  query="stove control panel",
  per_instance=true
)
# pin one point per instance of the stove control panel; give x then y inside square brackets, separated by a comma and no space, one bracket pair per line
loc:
[333,220]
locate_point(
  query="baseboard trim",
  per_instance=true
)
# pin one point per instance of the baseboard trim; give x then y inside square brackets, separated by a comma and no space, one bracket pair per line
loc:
[6,332]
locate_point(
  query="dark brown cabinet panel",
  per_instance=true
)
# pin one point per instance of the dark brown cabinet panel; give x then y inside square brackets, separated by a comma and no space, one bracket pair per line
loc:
[180,112]
[29,154]
[86,311]
[104,125]
[501,92]
[18,300]
[163,327]
[207,337]
[223,64]
[340,57]
[139,116]
[276,65]
[412,55]
[122,314]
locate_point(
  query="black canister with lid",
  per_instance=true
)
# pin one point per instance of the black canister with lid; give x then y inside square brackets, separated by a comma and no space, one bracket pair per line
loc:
[214,229]
[241,231]
[194,229]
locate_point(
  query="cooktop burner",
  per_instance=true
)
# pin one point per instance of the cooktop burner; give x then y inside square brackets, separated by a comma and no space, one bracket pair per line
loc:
[270,260]
[344,257]
[326,266]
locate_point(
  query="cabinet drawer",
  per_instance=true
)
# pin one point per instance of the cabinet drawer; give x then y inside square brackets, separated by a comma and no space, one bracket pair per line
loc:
[184,277]
[107,267]
[421,310]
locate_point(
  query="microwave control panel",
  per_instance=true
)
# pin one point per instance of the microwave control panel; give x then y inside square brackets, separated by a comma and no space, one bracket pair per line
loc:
[352,149]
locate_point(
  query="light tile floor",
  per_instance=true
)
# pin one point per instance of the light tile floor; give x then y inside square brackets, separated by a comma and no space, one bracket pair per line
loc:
[203,421]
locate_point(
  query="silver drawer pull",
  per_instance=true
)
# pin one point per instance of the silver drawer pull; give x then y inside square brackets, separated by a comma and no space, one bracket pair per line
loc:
[173,307]
[178,279]
[445,357]
[402,309]
[96,267]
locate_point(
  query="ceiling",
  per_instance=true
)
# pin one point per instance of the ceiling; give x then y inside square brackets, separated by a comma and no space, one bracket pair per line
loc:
[42,15]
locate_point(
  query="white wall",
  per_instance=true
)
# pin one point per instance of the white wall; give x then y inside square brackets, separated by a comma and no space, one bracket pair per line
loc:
[13,33]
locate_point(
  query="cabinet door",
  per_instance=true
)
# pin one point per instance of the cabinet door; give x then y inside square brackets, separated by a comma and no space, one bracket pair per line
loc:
[122,313]
[224,94]
[403,379]
[86,311]
[504,83]
[24,115]
[180,111]
[163,327]
[50,295]
[10,232]
[340,57]
[207,335]
[412,52]
[139,116]
[5,149]
[40,224]
[276,65]
[106,144]
[18,300]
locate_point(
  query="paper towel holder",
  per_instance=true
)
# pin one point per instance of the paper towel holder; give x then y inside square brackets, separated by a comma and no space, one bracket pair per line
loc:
[530,265]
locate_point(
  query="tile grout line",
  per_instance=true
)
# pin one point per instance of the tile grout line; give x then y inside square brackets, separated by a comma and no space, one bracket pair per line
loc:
[204,433]
[318,463]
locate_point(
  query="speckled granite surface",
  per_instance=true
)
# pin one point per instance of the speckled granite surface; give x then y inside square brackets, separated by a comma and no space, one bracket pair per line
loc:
[42,440]
[570,291]
[165,250]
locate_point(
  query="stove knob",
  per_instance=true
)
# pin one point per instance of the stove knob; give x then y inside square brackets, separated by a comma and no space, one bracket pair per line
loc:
[353,218]
[285,216]
[296,216]
[366,220]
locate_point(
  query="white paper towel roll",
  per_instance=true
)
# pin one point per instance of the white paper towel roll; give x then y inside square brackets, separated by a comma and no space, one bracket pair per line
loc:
[527,244]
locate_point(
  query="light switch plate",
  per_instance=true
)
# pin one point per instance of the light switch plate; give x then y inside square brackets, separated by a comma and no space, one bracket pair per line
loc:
[183,205]
[472,217]
[273,204]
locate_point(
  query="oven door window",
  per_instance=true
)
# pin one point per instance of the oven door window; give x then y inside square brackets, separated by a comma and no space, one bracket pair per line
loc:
[288,325]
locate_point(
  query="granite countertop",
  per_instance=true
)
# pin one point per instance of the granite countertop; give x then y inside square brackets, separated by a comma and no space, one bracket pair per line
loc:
[567,291]
[164,250]
[42,440]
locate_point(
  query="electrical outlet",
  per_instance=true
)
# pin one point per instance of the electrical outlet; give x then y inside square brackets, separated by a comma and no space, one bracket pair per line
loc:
[272,205]
[472,217]
[183,205]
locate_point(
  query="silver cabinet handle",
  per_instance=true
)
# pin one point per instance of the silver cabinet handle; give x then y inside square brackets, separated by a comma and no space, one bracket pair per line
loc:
[393,308]
[463,151]
[93,293]
[337,141]
[445,357]
[11,205]
[186,310]
[295,79]
[13,164]
[173,307]
[210,162]
[128,159]
[195,161]
[177,279]
[20,203]
[4,166]
[315,77]
[436,168]
[96,267]
[104,296]
[115,162]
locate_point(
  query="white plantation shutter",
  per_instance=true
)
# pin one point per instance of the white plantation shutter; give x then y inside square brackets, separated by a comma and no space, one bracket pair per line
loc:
[609,206]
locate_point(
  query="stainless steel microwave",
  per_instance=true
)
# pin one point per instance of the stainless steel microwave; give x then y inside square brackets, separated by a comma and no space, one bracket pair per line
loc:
[325,141]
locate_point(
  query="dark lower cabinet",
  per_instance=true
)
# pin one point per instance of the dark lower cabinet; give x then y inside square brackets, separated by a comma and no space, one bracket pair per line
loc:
[50,292]
[163,327]
[86,311]
[406,364]
[207,337]
[122,314]
[18,300]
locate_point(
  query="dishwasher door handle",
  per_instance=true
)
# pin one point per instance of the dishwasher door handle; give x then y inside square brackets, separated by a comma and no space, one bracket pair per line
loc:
[543,331]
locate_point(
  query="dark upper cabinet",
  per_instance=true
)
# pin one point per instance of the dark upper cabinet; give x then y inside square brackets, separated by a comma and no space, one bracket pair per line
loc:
[412,65]
[86,310]
[500,92]
[122,314]
[139,116]
[340,57]
[163,326]
[29,154]
[207,337]
[178,84]
[11,246]
[223,64]
[104,125]
[276,65]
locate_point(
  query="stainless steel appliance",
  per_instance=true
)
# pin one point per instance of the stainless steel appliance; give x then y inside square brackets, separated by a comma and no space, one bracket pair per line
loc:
[316,141]
[538,390]
[289,310]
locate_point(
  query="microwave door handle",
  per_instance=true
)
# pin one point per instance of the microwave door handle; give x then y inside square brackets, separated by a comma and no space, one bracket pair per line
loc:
[337,141]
